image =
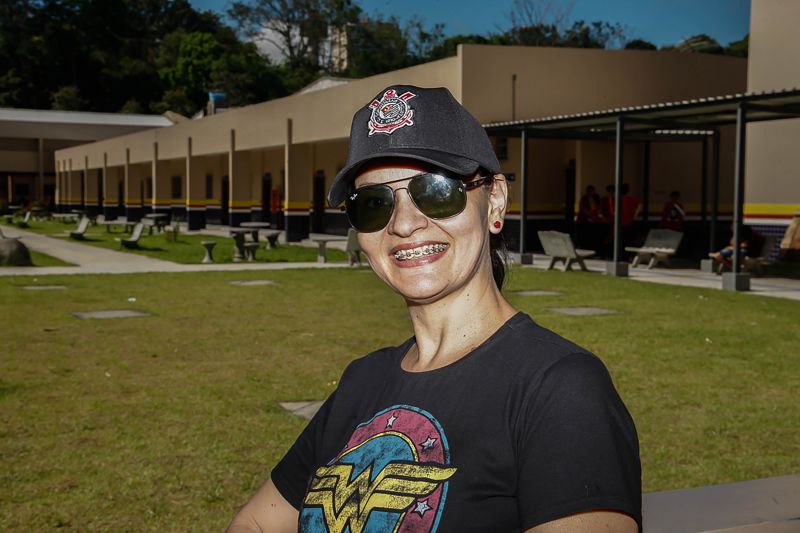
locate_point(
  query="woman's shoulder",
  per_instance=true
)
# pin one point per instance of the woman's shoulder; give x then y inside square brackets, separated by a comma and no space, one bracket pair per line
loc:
[529,345]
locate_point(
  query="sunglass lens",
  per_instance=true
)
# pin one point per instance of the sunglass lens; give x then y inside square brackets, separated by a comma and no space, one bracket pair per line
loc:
[370,208]
[438,196]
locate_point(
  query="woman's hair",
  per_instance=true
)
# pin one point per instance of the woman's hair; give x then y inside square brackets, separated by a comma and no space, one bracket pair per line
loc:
[498,250]
[499,254]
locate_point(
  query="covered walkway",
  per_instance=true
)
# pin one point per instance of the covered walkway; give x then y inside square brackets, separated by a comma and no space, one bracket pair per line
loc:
[698,119]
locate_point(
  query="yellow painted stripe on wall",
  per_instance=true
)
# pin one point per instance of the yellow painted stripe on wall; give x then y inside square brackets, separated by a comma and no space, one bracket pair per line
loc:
[775,210]
[294,206]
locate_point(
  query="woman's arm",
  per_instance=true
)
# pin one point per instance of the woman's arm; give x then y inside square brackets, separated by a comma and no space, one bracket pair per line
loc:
[592,522]
[266,512]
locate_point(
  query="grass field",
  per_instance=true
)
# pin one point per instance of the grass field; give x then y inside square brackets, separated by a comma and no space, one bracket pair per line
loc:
[187,249]
[169,422]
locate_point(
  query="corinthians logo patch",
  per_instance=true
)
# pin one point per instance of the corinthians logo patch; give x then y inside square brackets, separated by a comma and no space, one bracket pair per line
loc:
[391,476]
[391,112]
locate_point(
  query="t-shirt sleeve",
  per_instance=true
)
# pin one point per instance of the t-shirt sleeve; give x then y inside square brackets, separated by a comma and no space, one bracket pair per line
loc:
[577,445]
[293,473]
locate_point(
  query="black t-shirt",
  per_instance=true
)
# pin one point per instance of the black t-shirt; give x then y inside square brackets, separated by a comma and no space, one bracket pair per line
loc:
[525,429]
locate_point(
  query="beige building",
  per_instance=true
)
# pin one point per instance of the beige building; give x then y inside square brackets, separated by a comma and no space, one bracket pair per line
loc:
[29,139]
[772,186]
[275,160]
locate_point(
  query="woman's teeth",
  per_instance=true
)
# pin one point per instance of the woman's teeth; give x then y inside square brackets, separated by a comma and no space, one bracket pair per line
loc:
[422,251]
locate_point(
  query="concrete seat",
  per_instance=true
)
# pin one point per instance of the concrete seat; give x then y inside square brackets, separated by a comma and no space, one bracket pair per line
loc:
[133,240]
[79,232]
[658,247]
[250,249]
[560,248]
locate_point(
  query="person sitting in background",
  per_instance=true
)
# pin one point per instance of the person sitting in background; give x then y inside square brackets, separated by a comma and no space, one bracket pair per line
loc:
[583,220]
[751,244]
[672,215]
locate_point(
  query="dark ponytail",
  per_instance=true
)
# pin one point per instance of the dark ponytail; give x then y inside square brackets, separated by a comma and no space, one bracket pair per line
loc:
[499,254]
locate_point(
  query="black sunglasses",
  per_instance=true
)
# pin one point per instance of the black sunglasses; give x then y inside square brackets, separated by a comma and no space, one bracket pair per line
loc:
[435,194]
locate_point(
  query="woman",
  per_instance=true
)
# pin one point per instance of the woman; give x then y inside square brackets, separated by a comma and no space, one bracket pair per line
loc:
[483,421]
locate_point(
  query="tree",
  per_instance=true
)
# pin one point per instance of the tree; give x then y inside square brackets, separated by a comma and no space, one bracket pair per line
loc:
[701,43]
[68,99]
[640,44]
[739,48]
[374,46]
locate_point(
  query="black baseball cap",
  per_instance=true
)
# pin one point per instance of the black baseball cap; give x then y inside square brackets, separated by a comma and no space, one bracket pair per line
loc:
[425,124]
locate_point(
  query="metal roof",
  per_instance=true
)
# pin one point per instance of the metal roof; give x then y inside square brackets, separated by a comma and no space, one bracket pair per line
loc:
[83,118]
[670,118]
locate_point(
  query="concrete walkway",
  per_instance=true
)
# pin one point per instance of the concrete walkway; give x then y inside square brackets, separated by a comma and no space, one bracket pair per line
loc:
[687,277]
[95,260]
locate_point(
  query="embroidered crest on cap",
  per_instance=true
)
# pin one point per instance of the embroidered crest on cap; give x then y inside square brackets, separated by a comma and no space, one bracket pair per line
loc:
[391,112]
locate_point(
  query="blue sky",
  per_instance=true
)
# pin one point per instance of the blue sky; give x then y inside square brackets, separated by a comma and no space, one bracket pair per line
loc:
[658,21]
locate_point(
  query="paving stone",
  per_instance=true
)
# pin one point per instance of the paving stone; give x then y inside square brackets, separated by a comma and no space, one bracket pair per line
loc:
[538,293]
[111,313]
[43,287]
[306,409]
[582,311]
[253,282]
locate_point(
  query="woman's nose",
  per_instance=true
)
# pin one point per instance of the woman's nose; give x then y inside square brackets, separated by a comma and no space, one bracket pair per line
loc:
[406,218]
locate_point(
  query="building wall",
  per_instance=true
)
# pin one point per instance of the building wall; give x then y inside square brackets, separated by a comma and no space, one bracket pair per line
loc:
[772,186]
[549,81]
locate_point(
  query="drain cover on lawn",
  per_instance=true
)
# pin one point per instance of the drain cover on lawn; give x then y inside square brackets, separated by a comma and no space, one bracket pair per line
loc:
[305,409]
[538,293]
[583,311]
[253,282]
[111,313]
[43,287]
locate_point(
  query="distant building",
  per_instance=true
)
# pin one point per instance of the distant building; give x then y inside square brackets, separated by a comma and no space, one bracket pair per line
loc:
[275,160]
[29,139]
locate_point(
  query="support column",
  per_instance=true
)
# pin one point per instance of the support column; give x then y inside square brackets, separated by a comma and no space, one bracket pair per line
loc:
[161,200]
[71,204]
[646,184]
[57,186]
[736,280]
[91,199]
[195,192]
[39,186]
[523,197]
[239,176]
[109,193]
[618,267]
[715,150]
[298,166]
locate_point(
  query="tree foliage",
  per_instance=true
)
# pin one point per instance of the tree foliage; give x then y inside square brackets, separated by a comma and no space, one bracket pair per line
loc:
[143,56]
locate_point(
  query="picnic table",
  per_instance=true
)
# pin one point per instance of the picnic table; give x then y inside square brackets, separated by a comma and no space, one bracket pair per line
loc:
[239,250]
[155,220]
[255,227]
[322,242]
[65,217]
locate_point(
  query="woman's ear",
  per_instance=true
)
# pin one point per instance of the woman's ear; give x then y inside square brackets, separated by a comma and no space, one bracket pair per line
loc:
[498,203]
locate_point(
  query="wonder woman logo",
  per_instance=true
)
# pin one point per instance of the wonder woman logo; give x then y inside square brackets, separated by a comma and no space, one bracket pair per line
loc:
[392,476]
[396,488]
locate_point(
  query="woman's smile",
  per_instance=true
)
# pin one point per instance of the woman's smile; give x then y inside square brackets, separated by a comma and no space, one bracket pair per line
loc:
[418,253]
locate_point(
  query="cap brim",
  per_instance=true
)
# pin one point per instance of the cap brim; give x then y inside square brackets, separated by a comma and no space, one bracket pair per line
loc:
[459,165]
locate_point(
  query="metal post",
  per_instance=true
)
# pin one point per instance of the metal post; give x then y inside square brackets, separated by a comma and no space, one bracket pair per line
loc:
[737,280]
[617,267]
[704,185]
[523,202]
[715,148]
[646,183]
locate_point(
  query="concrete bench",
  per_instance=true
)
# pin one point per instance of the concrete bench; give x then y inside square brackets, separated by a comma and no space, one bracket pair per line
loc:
[250,249]
[658,247]
[322,241]
[770,505]
[272,237]
[560,248]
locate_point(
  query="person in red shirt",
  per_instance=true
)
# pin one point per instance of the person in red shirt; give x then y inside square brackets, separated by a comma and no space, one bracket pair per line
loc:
[586,219]
[672,214]
[631,209]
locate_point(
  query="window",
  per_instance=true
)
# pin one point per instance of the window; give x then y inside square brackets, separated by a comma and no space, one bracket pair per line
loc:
[209,186]
[176,186]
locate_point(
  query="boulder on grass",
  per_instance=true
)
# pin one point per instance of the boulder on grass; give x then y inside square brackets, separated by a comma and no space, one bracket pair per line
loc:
[14,253]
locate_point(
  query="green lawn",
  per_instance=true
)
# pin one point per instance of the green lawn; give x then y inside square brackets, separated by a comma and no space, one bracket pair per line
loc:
[186,250]
[168,423]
